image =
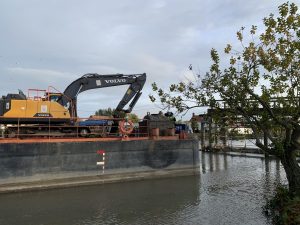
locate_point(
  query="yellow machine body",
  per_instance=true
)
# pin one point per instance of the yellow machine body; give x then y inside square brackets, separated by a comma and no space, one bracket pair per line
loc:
[31,110]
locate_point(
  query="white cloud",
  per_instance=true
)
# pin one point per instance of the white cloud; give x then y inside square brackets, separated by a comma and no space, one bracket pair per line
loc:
[41,74]
[38,77]
[54,42]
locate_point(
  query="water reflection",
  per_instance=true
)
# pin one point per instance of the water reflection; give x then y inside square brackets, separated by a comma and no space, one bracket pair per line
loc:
[219,162]
[230,190]
[225,162]
[235,187]
[278,171]
[213,162]
[203,165]
[124,203]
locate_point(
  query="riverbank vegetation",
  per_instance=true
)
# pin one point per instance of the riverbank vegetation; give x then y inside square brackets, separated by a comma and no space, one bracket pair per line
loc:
[283,208]
[259,83]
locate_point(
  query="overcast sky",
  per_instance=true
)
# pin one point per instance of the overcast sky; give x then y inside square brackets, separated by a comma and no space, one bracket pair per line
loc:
[54,42]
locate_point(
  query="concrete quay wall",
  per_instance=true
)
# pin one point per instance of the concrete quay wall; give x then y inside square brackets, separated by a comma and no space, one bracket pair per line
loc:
[31,166]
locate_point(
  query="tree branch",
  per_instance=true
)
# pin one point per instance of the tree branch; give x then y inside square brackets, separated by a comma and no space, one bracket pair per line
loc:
[267,107]
[255,131]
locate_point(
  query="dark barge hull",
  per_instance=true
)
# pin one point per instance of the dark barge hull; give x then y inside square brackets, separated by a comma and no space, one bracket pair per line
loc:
[42,165]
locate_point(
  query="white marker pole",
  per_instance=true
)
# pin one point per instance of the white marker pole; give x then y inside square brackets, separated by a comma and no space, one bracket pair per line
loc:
[103,158]
[103,161]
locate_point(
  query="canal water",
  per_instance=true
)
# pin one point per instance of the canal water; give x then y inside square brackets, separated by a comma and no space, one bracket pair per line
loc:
[231,189]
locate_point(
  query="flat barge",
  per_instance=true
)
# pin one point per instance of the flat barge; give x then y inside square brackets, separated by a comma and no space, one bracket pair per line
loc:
[35,164]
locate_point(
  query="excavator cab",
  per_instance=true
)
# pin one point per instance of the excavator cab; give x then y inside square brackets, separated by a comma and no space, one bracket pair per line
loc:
[52,97]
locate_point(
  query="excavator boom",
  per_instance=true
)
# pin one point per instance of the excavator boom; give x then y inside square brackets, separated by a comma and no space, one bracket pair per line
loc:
[93,80]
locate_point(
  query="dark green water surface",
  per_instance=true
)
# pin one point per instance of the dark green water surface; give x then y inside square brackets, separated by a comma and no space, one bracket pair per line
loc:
[229,190]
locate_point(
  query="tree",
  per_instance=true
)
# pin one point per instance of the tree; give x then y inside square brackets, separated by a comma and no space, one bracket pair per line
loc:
[111,112]
[261,84]
[105,112]
[133,117]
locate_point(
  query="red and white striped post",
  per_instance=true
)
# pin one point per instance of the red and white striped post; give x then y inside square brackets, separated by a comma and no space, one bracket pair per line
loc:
[101,163]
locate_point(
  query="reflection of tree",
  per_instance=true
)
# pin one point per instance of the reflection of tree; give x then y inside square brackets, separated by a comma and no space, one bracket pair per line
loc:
[266,177]
[217,156]
[211,162]
[203,163]
[225,161]
[277,171]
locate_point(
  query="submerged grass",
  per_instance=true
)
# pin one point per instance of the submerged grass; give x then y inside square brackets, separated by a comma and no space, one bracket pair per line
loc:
[283,208]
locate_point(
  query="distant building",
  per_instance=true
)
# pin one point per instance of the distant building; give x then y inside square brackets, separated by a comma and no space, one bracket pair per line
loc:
[241,130]
[200,122]
[197,122]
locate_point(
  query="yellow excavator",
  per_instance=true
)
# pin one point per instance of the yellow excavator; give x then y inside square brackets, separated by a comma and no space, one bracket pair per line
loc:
[21,109]
[18,111]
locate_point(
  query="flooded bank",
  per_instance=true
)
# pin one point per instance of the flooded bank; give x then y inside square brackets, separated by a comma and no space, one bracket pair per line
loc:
[229,190]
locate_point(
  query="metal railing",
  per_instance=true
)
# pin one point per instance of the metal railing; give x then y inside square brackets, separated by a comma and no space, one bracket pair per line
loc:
[50,128]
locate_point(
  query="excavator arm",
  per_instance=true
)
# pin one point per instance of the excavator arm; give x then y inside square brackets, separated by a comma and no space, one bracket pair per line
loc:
[93,80]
